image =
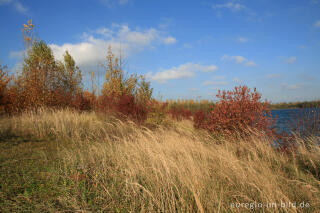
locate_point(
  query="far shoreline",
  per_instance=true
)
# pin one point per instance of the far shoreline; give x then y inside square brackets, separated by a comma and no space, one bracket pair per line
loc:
[295,105]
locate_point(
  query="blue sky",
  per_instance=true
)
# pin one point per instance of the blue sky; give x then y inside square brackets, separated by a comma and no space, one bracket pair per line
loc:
[187,49]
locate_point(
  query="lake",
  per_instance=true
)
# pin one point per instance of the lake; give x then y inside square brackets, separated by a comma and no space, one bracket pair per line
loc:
[302,120]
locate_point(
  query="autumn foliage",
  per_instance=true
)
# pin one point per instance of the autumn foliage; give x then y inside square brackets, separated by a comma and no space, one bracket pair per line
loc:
[128,96]
[4,80]
[47,82]
[180,113]
[236,111]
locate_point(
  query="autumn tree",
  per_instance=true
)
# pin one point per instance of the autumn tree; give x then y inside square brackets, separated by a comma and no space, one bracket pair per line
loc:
[39,74]
[116,83]
[144,91]
[129,95]
[45,81]
[72,75]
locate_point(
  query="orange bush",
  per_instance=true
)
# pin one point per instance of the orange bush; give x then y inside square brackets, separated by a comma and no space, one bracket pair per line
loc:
[235,111]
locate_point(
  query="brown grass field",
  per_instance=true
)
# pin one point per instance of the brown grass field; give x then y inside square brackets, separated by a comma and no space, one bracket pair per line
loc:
[66,161]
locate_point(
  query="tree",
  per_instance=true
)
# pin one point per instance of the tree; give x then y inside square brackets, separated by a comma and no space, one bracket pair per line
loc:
[127,95]
[45,81]
[116,83]
[144,92]
[39,74]
[73,75]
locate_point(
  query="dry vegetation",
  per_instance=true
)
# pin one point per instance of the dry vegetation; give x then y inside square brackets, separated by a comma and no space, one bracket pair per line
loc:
[66,160]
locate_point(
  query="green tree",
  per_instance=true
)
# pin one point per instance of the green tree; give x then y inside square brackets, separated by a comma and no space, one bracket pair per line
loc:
[144,91]
[72,75]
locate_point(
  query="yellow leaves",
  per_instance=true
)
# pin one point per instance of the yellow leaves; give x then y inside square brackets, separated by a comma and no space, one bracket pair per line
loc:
[30,23]
[27,32]
[29,26]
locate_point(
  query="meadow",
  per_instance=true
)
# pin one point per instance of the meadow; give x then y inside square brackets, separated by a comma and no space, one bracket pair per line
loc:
[63,160]
[67,149]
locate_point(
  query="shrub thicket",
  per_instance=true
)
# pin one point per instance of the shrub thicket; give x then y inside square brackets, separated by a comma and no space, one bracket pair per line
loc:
[128,96]
[235,111]
[4,81]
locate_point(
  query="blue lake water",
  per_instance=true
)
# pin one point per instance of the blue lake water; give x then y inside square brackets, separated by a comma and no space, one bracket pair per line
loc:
[301,120]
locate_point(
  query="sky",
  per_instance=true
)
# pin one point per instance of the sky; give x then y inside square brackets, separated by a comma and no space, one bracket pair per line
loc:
[186,49]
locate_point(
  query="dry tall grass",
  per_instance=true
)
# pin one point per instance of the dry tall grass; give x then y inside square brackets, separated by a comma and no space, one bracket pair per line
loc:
[108,165]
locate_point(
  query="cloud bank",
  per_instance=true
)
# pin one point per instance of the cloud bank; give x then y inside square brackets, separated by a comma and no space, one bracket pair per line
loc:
[94,45]
[187,70]
[239,60]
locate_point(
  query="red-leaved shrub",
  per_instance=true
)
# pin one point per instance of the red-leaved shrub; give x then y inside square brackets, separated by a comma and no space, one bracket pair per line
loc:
[235,111]
[128,107]
[124,106]
[179,113]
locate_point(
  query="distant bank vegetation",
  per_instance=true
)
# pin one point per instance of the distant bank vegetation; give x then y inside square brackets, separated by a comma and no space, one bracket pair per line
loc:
[296,105]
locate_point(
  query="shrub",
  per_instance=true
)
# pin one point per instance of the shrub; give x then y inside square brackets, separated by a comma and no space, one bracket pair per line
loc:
[157,114]
[4,80]
[129,108]
[81,102]
[180,113]
[235,111]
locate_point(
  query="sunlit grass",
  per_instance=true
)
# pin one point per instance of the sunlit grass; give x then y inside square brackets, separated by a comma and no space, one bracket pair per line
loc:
[65,160]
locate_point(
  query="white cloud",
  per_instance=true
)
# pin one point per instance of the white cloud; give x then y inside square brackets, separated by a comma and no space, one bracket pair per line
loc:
[250,64]
[215,83]
[107,33]
[16,4]
[239,60]
[242,40]
[187,70]
[290,86]
[229,5]
[317,24]
[170,40]
[291,60]
[19,7]
[121,38]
